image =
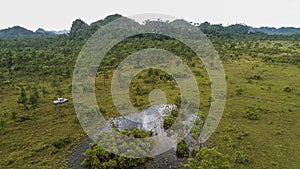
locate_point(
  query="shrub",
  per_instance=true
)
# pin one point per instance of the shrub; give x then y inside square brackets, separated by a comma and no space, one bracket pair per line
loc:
[135,132]
[240,157]
[23,118]
[141,91]
[66,139]
[97,157]
[2,124]
[39,147]
[251,115]
[242,134]
[147,81]
[232,128]
[287,89]
[267,59]
[10,161]
[182,149]
[255,77]
[239,92]
[208,159]
[174,113]
[57,144]
[210,99]
[168,122]
[278,132]
[178,101]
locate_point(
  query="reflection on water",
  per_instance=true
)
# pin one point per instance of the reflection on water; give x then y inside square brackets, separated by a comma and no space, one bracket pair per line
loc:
[150,119]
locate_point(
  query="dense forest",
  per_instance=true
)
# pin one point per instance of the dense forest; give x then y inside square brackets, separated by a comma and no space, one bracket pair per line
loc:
[258,130]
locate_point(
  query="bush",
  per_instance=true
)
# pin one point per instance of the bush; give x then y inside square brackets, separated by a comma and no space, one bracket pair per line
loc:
[136,133]
[178,101]
[61,142]
[288,89]
[97,157]
[208,159]
[23,118]
[2,124]
[10,161]
[239,92]
[240,157]
[66,139]
[251,115]
[174,112]
[141,91]
[267,59]
[148,81]
[57,144]
[278,132]
[39,147]
[210,99]
[242,134]
[168,122]
[182,149]
[255,77]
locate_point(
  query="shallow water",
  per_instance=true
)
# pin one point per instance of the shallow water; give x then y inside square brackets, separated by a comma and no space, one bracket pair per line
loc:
[148,119]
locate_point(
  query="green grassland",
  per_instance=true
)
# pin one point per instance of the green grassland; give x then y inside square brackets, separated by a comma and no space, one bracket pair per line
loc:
[261,120]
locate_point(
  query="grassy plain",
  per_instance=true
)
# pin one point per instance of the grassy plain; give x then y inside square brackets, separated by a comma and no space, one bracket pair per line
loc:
[261,119]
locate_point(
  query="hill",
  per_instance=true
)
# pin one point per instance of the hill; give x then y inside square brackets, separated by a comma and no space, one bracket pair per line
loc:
[82,30]
[278,31]
[18,32]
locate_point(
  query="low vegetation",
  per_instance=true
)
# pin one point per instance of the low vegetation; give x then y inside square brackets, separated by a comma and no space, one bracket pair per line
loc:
[259,127]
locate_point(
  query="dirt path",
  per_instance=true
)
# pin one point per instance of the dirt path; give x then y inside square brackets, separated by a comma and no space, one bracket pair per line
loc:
[76,157]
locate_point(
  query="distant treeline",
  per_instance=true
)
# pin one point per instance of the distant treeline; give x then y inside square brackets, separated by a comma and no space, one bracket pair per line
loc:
[81,30]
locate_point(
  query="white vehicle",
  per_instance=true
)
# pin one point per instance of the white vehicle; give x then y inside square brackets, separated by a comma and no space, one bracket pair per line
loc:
[60,100]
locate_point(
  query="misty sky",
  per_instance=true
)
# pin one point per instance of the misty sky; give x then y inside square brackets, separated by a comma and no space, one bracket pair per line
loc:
[59,14]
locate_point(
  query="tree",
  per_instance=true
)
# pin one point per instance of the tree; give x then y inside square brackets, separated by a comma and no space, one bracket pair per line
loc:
[59,92]
[13,116]
[54,82]
[44,91]
[98,157]
[178,101]
[287,89]
[33,98]
[23,98]
[35,92]
[168,122]
[182,149]
[2,124]
[150,72]
[208,159]
[34,116]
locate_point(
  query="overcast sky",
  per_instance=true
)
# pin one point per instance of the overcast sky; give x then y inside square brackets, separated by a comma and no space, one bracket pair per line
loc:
[59,14]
